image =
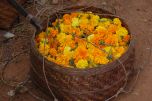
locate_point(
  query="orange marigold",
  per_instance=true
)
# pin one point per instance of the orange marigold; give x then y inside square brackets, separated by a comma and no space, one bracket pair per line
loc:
[54,32]
[126,38]
[67,19]
[53,52]
[112,28]
[74,14]
[80,53]
[112,40]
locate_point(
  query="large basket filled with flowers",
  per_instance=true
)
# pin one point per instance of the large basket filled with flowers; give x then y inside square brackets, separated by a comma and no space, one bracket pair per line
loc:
[83,55]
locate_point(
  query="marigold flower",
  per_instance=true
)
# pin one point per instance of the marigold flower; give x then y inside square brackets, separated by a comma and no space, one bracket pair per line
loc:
[54,32]
[101,30]
[82,64]
[75,22]
[67,52]
[117,21]
[43,48]
[61,37]
[101,60]
[67,19]
[122,31]
[83,40]
[74,14]
[94,20]
[41,35]
[118,52]
[80,53]
[90,37]
[112,28]
[126,38]
[53,51]
[112,40]
[62,60]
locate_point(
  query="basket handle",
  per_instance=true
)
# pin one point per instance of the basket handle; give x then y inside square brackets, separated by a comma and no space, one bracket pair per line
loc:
[24,13]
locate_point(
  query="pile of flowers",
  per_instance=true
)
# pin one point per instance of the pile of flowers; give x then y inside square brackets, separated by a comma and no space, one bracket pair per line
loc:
[83,40]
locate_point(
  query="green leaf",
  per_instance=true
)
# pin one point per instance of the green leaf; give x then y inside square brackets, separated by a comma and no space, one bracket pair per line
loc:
[101,42]
[71,62]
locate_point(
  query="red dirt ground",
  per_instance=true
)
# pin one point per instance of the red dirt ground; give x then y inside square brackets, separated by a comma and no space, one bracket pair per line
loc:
[137,14]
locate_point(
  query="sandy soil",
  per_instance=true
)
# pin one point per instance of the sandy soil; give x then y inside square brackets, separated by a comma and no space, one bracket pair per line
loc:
[137,14]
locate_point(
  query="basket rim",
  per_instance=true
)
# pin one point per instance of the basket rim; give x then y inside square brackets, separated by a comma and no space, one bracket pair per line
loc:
[103,68]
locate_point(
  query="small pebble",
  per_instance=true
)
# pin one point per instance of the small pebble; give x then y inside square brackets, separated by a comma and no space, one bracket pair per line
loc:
[11,93]
[9,35]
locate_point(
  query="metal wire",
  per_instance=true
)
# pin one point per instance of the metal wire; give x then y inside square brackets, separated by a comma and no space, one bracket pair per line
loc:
[44,72]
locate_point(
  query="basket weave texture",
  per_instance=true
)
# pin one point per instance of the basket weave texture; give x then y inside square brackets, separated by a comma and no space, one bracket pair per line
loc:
[7,14]
[93,84]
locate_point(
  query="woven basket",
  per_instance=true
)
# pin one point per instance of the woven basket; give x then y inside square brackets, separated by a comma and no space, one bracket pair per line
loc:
[7,14]
[72,84]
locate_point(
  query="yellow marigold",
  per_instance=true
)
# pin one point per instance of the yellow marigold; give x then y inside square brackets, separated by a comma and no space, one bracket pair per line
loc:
[101,60]
[84,21]
[44,49]
[122,31]
[41,35]
[105,22]
[117,21]
[61,37]
[119,51]
[67,49]
[90,37]
[65,28]
[94,20]
[67,52]
[101,30]
[75,22]
[108,49]
[82,64]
